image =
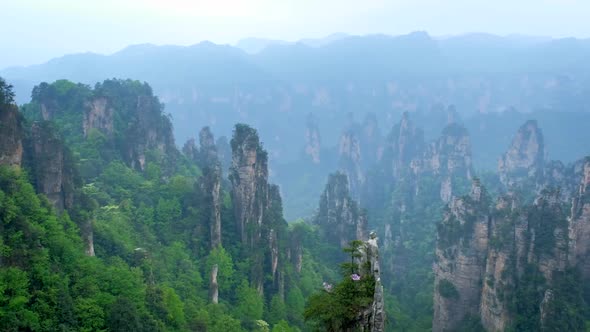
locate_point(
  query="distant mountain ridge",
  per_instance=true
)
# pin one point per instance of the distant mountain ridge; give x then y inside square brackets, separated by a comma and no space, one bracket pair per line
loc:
[564,53]
[276,88]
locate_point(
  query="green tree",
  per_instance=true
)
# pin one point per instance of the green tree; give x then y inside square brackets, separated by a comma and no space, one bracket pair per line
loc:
[277,311]
[250,305]
[124,316]
[14,300]
[6,93]
[225,265]
[283,326]
[295,305]
[337,308]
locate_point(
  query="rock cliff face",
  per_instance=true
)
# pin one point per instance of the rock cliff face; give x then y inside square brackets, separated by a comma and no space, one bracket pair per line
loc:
[450,155]
[249,178]
[506,239]
[460,260]
[99,116]
[449,158]
[42,152]
[339,217]
[257,204]
[483,271]
[125,112]
[349,150]
[373,319]
[579,224]
[312,141]
[404,144]
[190,149]
[11,136]
[56,177]
[53,172]
[524,158]
[446,159]
[211,184]
[370,141]
[150,131]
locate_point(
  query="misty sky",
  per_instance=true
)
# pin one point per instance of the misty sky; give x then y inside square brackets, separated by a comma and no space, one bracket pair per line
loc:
[37,30]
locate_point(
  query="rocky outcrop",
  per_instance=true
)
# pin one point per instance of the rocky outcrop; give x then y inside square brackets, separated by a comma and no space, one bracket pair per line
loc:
[373,318]
[257,204]
[450,155]
[213,285]
[579,224]
[446,159]
[190,149]
[125,112]
[98,116]
[370,141]
[548,234]
[524,159]
[460,259]
[210,185]
[11,136]
[504,258]
[149,131]
[249,178]
[41,150]
[404,144]
[54,175]
[339,217]
[486,256]
[312,140]
[349,150]
[449,158]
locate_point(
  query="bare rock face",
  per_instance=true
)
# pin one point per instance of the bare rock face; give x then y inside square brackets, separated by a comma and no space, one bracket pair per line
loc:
[450,155]
[373,319]
[214,286]
[548,230]
[579,224]
[405,143]
[11,136]
[370,141]
[339,217]
[349,150]
[249,178]
[524,158]
[506,234]
[460,260]
[99,116]
[53,174]
[211,184]
[190,149]
[485,255]
[149,131]
[257,204]
[447,158]
[446,189]
[312,140]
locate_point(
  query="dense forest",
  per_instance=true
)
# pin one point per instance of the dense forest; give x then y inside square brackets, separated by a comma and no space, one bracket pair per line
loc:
[106,226]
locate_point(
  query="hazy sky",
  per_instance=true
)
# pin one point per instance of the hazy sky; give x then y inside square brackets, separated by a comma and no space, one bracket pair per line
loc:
[37,30]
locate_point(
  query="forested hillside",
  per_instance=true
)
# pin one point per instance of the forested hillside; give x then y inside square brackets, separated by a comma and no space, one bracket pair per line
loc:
[106,226]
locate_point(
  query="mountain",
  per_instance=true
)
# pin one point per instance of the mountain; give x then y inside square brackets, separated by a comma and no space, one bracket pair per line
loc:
[106,225]
[256,45]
